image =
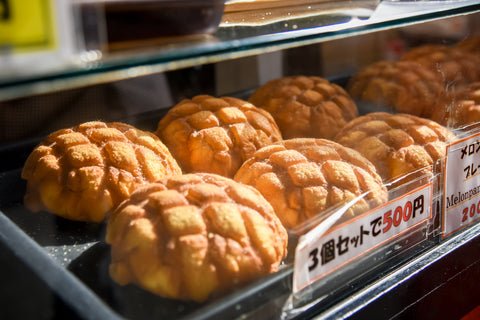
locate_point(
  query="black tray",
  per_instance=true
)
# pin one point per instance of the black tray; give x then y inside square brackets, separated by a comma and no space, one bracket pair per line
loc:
[72,258]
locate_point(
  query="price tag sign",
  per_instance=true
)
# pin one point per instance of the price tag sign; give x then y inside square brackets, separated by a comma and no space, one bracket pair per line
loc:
[27,25]
[319,253]
[461,187]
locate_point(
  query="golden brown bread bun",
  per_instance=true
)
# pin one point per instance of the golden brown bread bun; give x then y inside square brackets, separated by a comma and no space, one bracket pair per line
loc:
[303,177]
[82,172]
[306,106]
[461,108]
[194,236]
[216,135]
[397,144]
[401,86]
[471,44]
[456,68]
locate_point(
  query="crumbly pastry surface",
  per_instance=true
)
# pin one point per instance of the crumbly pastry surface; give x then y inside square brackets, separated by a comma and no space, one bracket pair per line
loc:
[456,68]
[306,106]
[470,44]
[460,108]
[216,135]
[397,144]
[400,86]
[194,236]
[303,177]
[81,173]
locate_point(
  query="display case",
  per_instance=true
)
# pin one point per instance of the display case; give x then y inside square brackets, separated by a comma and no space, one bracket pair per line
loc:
[425,264]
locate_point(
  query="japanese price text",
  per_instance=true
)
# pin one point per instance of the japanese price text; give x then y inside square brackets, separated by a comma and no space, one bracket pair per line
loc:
[461,185]
[319,255]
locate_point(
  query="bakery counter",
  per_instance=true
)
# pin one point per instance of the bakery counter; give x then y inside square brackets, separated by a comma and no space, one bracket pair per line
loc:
[52,268]
[336,207]
[69,260]
[72,258]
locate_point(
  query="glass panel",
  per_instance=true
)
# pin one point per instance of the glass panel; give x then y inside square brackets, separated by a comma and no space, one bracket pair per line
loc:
[232,40]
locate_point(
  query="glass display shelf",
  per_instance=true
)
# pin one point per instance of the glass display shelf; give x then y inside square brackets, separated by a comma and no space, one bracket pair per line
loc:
[232,40]
[418,289]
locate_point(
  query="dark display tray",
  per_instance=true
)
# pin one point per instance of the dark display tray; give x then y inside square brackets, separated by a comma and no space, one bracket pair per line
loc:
[72,258]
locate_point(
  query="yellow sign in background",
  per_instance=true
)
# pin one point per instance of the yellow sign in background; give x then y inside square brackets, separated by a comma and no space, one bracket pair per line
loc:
[27,25]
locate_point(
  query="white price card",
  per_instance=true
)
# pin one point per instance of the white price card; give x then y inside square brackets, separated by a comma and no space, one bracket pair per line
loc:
[320,252]
[461,185]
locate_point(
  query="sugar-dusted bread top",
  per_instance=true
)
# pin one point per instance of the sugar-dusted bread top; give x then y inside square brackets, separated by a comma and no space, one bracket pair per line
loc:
[306,106]
[81,173]
[302,178]
[454,67]
[216,135]
[397,144]
[398,86]
[460,108]
[470,44]
[194,236]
